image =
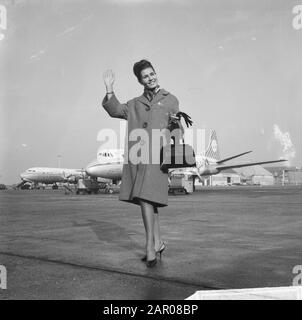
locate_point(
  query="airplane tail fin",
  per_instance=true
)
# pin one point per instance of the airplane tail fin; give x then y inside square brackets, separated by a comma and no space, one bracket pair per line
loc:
[213,150]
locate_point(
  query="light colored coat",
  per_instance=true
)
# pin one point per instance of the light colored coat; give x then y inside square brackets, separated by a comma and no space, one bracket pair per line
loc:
[144,181]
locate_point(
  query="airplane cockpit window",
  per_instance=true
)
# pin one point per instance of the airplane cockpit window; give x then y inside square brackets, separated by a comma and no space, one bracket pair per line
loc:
[106,154]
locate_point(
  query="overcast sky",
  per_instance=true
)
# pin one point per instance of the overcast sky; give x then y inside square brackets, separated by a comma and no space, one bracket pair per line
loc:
[234,65]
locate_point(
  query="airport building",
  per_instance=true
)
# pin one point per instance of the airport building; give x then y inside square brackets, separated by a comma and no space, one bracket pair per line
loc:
[295,177]
[286,175]
[256,175]
[226,178]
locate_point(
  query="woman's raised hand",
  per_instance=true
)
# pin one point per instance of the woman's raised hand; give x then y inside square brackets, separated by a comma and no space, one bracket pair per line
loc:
[109,78]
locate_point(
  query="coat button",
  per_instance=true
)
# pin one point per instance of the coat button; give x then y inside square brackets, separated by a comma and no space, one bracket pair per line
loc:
[147,108]
[145,125]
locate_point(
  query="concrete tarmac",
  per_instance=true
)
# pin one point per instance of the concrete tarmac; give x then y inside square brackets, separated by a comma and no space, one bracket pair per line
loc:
[58,246]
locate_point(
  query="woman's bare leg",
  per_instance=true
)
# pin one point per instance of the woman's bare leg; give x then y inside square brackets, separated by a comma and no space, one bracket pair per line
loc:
[157,235]
[148,219]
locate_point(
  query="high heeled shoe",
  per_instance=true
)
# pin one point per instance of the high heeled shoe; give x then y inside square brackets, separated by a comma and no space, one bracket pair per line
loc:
[151,263]
[160,251]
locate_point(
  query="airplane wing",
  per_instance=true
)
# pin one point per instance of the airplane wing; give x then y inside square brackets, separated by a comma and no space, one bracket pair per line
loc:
[233,157]
[220,168]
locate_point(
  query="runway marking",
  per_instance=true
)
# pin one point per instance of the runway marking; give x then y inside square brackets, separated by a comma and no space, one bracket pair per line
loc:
[156,278]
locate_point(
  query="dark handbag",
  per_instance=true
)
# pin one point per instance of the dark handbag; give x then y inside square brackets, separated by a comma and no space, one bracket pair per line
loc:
[177,155]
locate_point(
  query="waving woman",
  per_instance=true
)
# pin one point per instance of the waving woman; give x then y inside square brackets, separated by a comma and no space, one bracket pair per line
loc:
[143,183]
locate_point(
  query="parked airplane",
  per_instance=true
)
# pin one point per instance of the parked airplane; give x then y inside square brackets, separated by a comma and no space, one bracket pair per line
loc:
[212,164]
[50,176]
[109,163]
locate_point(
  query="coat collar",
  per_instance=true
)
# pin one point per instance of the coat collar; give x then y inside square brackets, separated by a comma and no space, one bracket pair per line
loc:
[159,96]
[150,94]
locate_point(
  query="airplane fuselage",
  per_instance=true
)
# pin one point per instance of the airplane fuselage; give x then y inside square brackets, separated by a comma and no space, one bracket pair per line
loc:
[110,170]
[207,170]
[50,175]
[206,165]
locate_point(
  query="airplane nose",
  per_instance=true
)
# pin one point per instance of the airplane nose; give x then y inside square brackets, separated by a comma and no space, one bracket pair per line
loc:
[23,175]
[90,169]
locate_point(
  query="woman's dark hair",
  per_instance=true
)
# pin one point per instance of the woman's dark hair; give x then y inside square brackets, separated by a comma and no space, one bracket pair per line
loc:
[140,66]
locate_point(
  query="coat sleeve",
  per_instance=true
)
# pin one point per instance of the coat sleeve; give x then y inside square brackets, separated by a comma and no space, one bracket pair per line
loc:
[175,107]
[172,112]
[114,108]
[175,124]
